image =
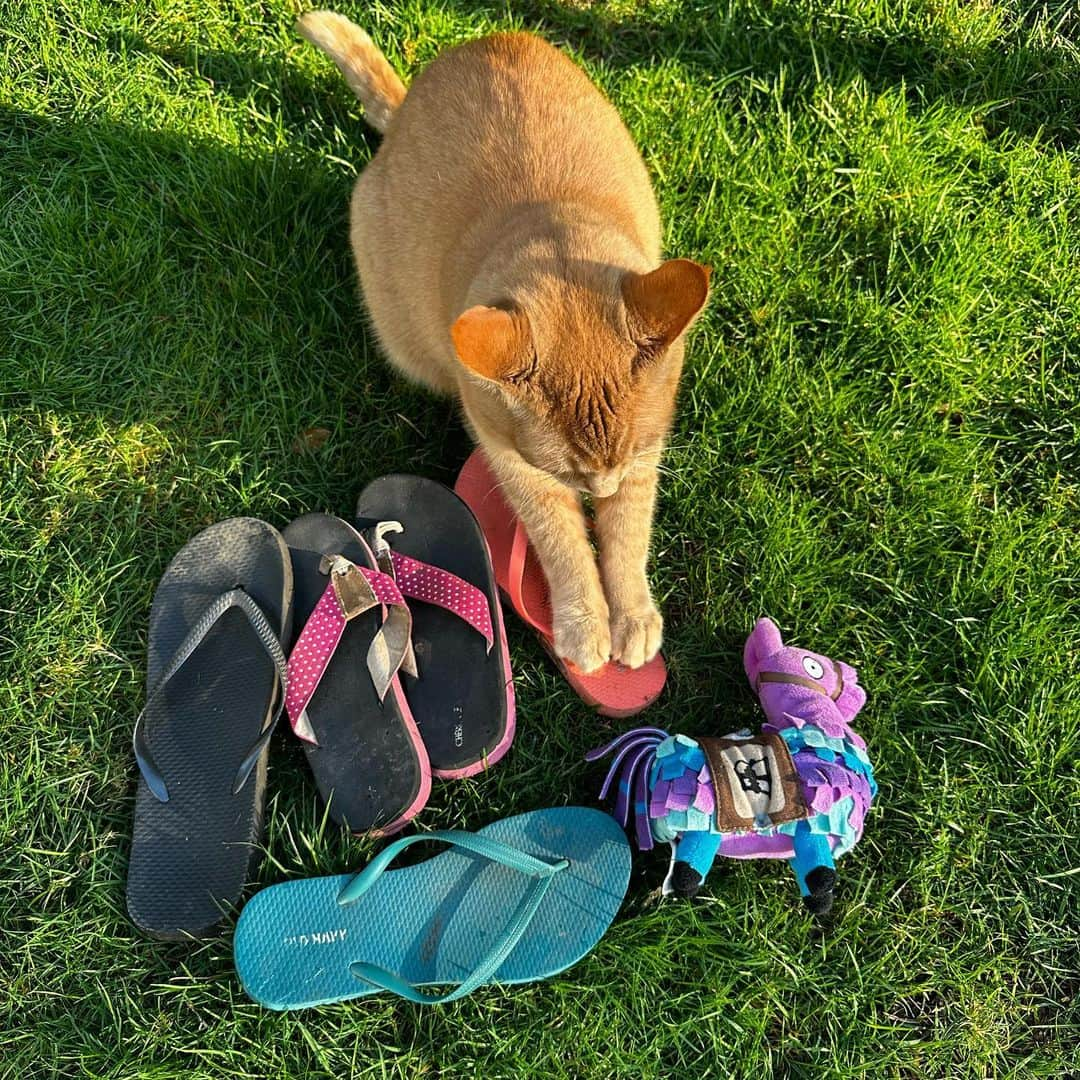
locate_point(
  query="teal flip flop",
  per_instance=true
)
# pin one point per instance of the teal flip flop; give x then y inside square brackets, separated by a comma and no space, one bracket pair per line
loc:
[521,900]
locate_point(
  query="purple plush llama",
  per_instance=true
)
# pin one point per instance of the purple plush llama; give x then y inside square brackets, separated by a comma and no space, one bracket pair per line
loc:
[799,791]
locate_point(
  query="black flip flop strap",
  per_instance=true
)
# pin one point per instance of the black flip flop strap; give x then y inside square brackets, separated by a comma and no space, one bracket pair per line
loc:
[267,638]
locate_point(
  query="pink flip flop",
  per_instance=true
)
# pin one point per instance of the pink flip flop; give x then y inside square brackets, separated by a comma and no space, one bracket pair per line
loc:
[614,690]
[344,696]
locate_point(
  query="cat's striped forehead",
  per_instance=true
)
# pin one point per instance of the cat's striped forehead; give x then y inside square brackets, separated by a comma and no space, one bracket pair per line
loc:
[599,422]
[585,375]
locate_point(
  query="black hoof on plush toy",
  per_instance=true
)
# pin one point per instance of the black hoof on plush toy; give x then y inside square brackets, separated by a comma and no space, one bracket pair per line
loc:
[685,881]
[818,905]
[821,881]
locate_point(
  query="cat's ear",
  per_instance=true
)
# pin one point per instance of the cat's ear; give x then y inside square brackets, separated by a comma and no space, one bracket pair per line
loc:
[494,343]
[661,304]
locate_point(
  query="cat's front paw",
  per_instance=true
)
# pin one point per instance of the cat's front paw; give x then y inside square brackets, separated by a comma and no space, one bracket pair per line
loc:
[636,636]
[583,640]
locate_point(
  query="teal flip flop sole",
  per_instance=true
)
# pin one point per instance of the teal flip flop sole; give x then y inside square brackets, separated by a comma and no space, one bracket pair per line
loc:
[544,885]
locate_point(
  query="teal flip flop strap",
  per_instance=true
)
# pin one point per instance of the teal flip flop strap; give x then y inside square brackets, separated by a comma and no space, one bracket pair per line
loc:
[542,871]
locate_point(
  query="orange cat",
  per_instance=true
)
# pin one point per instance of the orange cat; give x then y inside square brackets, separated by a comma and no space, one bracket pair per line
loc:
[508,243]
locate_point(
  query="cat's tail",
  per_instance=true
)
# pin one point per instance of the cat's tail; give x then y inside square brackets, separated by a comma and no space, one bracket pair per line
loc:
[365,68]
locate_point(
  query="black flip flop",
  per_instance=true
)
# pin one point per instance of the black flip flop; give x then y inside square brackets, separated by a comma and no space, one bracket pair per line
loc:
[345,699]
[215,688]
[463,699]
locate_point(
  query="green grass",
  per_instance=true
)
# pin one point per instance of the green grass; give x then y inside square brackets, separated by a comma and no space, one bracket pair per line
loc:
[878,444]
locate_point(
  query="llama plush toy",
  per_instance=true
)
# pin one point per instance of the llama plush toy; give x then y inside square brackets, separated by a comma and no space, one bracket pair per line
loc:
[797,791]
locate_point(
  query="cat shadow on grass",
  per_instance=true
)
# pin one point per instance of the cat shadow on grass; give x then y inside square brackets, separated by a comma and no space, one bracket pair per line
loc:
[166,279]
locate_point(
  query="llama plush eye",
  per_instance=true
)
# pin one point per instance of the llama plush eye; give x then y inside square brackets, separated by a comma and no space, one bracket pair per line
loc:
[812,667]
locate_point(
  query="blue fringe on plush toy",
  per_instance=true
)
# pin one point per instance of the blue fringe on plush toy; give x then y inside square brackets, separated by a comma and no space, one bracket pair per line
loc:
[799,791]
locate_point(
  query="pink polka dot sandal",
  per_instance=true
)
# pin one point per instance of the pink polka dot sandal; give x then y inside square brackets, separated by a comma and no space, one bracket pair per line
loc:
[462,696]
[344,697]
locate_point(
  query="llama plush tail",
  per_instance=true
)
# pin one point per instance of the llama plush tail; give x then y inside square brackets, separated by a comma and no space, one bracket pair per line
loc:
[365,68]
[635,752]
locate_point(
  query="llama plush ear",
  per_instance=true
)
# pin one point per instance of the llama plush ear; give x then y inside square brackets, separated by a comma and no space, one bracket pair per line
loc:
[493,343]
[764,641]
[661,304]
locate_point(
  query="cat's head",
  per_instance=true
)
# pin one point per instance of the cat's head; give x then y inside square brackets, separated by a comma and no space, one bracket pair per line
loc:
[580,376]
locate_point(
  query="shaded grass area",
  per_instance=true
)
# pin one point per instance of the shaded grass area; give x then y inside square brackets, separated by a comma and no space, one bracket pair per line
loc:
[877,445]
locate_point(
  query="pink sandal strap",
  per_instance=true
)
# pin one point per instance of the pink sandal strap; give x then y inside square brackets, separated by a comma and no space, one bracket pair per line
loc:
[433,585]
[351,591]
